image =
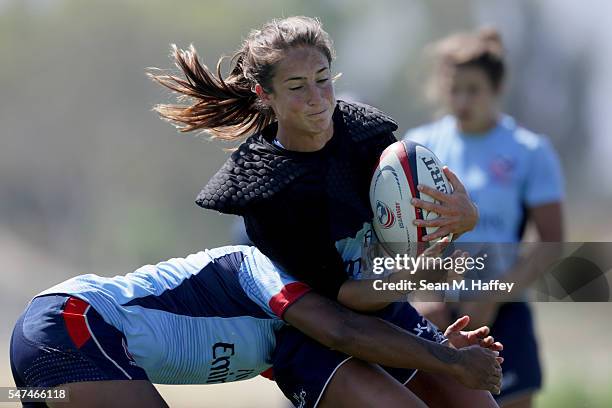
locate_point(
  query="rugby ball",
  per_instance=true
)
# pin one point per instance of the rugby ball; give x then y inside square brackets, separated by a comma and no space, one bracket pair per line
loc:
[402,166]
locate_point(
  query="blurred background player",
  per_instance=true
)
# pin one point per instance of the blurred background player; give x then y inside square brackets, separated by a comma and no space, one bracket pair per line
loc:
[513,176]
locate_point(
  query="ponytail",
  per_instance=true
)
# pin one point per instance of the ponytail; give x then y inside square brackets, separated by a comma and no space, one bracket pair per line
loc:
[227,108]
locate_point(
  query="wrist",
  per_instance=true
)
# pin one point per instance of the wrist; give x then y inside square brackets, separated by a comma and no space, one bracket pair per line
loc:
[454,369]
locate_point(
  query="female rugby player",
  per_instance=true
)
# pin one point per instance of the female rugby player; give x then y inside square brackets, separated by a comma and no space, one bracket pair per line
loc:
[301,183]
[513,175]
[208,318]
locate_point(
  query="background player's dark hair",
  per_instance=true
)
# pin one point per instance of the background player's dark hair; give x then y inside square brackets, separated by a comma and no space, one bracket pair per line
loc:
[482,49]
[228,107]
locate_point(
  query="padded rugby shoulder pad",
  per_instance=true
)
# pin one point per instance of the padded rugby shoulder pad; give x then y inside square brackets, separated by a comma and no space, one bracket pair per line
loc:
[365,122]
[250,174]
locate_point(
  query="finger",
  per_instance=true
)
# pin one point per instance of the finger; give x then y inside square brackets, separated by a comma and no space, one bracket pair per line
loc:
[456,254]
[437,248]
[440,232]
[433,193]
[429,206]
[500,360]
[496,375]
[459,324]
[484,331]
[454,181]
[435,222]
[497,346]
[486,342]
[495,389]
[481,332]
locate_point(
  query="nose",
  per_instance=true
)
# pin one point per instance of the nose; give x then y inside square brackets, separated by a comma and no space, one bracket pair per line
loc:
[462,101]
[314,96]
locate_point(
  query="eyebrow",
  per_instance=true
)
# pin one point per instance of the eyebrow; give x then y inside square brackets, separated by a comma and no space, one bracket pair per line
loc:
[299,78]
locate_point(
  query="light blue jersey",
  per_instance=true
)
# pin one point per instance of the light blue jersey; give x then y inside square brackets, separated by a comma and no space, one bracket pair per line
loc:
[505,171]
[208,318]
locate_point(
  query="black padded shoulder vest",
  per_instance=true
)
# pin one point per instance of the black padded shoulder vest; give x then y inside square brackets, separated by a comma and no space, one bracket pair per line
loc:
[257,170]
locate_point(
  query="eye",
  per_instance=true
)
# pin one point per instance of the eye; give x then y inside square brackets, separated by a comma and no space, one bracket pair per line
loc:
[320,81]
[295,88]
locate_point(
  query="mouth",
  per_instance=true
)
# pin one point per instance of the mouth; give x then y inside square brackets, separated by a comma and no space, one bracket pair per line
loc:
[318,113]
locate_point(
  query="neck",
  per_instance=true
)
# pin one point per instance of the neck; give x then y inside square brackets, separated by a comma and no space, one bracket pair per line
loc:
[479,127]
[303,142]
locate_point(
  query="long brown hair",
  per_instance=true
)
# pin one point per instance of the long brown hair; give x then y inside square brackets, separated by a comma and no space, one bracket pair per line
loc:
[482,49]
[228,108]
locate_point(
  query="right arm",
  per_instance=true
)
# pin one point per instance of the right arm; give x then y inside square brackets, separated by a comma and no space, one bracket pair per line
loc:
[360,295]
[375,340]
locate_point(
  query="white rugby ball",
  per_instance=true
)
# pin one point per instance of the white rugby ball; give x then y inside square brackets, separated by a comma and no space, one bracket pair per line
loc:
[402,166]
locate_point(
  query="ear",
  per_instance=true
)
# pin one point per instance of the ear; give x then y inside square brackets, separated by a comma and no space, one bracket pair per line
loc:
[262,95]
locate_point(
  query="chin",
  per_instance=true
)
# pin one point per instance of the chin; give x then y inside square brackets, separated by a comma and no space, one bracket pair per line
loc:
[325,126]
[320,125]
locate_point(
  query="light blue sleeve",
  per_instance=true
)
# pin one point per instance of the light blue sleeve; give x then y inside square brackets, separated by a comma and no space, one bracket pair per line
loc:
[271,288]
[545,182]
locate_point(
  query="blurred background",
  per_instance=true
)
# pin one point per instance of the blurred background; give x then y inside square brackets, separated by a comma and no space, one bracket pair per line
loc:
[91,181]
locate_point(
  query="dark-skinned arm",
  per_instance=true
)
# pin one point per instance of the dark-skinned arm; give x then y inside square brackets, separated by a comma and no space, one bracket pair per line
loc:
[377,341]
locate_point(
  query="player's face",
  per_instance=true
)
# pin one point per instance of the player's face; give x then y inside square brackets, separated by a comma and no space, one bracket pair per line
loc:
[302,92]
[471,98]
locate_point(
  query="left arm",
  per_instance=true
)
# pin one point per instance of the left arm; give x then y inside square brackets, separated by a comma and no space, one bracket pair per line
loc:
[543,196]
[548,219]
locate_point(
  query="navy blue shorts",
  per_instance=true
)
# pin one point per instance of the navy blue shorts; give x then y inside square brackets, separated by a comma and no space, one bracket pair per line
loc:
[302,367]
[60,339]
[513,327]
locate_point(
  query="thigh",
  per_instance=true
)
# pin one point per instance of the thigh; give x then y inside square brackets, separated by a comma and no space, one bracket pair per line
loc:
[110,394]
[303,368]
[439,390]
[359,384]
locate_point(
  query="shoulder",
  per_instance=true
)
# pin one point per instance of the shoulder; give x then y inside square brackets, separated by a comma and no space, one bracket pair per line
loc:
[252,173]
[363,122]
[527,141]
[431,132]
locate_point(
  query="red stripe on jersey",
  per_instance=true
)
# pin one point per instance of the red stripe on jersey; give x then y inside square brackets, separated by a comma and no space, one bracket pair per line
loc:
[288,294]
[269,374]
[74,319]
